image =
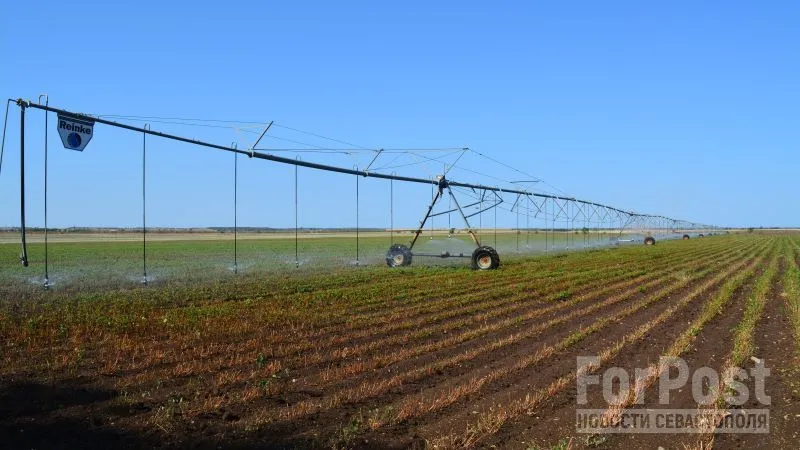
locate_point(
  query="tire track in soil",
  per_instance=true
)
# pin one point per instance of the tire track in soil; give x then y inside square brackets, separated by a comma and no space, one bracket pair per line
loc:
[331,415]
[772,337]
[413,385]
[555,417]
[710,347]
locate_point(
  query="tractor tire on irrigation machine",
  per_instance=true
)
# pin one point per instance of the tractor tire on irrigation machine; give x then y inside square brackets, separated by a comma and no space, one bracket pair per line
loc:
[685,237]
[649,240]
[398,256]
[485,258]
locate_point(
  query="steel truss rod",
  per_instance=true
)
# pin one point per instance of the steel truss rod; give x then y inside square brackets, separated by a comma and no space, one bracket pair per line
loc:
[561,211]
[270,157]
[452,210]
[492,206]
[579,212]
[539,208]
[425,219]
[466,221]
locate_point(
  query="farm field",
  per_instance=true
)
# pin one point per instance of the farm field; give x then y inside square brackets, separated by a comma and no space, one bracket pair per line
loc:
[98,261]
[437,357]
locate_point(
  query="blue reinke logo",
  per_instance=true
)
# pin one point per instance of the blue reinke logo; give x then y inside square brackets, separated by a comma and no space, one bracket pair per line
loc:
[74,140]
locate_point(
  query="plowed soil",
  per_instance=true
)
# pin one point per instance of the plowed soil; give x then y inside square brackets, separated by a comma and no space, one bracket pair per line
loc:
[407,358]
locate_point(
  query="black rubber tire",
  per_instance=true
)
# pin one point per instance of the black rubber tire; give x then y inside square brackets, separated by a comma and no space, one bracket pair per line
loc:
[649,240]
[398,256]
[485,258]
[700,235]
[685,237]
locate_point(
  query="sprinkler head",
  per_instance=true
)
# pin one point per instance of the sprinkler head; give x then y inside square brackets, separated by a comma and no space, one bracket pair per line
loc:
[144,280]
[46,285]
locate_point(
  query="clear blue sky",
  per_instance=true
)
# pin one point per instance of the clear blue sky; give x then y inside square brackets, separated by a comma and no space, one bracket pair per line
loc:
[684,109]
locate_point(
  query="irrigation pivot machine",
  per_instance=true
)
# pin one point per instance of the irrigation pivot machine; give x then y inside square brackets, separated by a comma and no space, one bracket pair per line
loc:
[77,129]
[483,258]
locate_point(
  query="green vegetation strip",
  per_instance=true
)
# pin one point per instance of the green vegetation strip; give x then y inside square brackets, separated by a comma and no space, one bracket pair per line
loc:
[743,346]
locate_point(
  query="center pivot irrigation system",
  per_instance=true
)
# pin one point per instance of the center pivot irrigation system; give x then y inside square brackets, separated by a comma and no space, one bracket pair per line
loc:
[76,129]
